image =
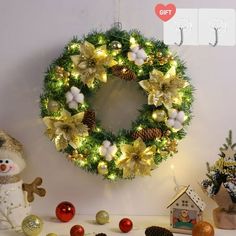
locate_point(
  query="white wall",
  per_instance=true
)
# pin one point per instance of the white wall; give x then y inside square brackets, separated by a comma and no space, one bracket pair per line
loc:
[33,33]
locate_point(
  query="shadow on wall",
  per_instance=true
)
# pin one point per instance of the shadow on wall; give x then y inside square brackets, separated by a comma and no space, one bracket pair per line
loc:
[20,115]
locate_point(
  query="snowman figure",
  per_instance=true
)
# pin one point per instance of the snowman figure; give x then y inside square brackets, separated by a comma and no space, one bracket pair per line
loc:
[14,195]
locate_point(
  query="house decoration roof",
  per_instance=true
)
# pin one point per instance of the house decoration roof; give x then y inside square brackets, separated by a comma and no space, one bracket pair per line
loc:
[192,195]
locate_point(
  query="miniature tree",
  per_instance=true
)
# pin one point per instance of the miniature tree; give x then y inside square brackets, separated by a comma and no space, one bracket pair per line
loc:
[223,171]
[221,185]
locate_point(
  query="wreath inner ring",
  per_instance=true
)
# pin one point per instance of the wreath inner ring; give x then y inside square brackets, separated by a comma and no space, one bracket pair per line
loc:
[117,103]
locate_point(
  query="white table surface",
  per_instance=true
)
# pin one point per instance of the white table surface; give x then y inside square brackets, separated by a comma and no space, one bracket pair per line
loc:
[52,225]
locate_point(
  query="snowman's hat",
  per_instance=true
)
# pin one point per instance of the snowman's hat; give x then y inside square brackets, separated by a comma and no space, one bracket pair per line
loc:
[11,149]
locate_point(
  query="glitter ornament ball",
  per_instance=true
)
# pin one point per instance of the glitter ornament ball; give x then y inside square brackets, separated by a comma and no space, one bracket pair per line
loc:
[125,225]
[65,211]
[102,217]
[159,115]
[32,225]
[77,230]
[203,228]
[51,234]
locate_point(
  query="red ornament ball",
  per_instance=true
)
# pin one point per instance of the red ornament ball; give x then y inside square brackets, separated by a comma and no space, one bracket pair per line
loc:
[65,211]
[77,230]
[125,225]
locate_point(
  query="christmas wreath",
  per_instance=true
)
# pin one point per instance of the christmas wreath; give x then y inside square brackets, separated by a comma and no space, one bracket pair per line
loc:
[82,69]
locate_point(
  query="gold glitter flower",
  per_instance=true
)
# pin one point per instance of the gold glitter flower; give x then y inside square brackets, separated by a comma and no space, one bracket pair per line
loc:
[163,89]
[136,159]
[91,63]
[66,129]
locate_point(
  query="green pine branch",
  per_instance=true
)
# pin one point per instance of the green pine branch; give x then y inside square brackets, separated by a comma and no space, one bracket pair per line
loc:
[228,143]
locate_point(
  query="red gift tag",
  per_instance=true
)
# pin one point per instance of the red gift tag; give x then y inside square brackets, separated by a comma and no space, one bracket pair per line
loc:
[165,12]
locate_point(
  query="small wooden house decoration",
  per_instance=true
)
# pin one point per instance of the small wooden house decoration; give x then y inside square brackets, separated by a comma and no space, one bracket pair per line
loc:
[186,209]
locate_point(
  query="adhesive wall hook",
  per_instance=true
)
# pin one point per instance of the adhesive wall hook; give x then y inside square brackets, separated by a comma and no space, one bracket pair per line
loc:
[216,37]
[181,29]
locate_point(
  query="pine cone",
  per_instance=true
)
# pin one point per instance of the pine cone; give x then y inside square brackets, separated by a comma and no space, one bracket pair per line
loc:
[89,119]
[157,231]
[101,234]
[123,72]
[147,134]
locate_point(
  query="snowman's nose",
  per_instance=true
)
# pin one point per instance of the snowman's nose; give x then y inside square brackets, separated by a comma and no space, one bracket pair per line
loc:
[3,167]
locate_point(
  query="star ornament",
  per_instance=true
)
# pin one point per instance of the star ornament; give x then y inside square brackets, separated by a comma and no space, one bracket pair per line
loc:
[229,154]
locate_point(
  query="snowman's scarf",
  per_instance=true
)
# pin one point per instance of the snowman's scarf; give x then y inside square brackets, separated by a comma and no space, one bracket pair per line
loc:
[9,179]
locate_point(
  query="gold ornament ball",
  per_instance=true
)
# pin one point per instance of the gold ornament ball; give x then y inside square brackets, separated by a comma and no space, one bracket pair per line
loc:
[168,133]
[32,225]
[115,45]
[159,115]
[102,168]
[53,106]
[165,60]
[51,234]
[159,54]
[102,217]
[203,228]
[173,63]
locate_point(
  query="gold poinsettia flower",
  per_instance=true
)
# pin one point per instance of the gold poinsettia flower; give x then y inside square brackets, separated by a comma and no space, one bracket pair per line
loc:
[136,159]
[91,63]
[66,129]
[163,89]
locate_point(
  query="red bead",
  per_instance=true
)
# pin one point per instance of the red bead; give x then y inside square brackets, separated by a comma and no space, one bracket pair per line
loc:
[125,225]
[77,230]
[65,211]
